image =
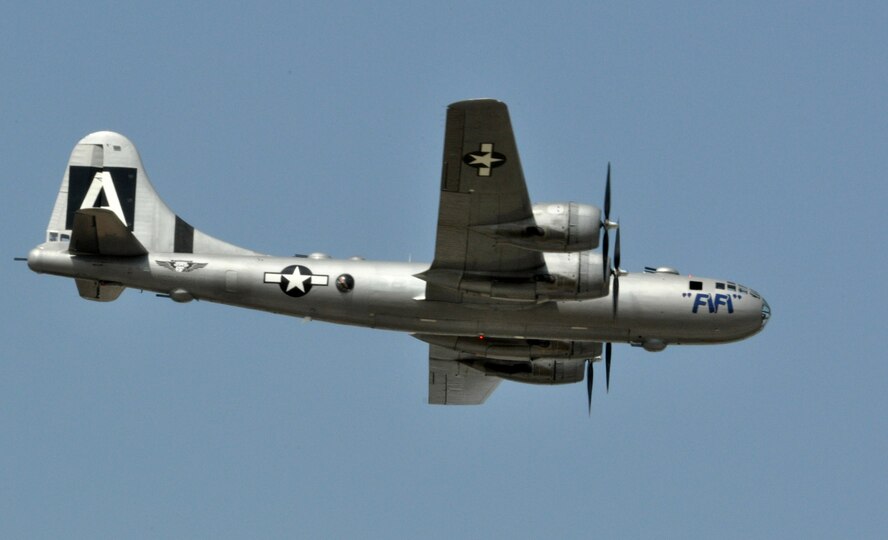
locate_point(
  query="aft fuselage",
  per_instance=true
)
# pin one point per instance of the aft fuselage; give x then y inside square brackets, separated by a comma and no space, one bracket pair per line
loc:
[653,309]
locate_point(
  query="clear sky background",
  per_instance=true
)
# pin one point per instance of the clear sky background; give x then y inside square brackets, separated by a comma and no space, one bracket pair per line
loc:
[748,142]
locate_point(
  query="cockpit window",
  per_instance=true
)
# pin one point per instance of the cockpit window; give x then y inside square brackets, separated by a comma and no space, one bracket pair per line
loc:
[742,289]
[732,286]
[753,293]
[696,285]
[719,285]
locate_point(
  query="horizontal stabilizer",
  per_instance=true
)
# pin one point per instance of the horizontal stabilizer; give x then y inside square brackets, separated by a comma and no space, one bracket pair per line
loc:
[99,231]
[98,290]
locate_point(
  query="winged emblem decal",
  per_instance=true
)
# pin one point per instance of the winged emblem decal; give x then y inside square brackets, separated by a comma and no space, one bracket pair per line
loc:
[181,266]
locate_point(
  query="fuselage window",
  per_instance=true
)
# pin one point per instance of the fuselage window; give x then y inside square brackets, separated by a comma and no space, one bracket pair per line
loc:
[345,283]
[696,285]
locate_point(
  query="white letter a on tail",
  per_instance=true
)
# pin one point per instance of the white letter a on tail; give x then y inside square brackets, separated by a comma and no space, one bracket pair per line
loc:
[102,194]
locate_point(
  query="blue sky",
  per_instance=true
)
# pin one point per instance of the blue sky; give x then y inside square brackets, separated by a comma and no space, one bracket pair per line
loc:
[748,142]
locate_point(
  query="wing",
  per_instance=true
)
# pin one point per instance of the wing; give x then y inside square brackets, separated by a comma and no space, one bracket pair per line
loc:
[453,383]
[482,184]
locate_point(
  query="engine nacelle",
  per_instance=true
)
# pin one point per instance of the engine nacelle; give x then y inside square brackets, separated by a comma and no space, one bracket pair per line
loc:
[574,276]
[515,349]
[555,227]
[542,371]
[532,361]
[568,276]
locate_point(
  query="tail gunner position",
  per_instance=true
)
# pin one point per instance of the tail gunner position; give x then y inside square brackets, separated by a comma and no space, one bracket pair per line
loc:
[516,291]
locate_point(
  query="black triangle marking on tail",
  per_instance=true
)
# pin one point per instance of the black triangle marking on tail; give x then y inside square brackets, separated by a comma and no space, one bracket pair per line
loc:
[102,200]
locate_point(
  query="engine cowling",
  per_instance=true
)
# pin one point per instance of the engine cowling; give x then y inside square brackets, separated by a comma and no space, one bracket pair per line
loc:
[542,371]
[555,227]
[575,276]
[568,276]
[512,349]
[523,360]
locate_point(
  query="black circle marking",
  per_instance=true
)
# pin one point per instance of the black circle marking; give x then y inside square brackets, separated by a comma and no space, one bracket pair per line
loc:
[295,273]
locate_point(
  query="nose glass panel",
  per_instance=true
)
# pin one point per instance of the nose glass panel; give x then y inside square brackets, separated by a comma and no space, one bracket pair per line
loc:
[766,312]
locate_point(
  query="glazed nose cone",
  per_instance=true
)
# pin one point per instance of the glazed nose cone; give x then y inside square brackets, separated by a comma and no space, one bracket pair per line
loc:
[766,312]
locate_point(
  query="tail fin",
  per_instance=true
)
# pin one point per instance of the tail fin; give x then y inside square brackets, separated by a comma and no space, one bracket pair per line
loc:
[105,172]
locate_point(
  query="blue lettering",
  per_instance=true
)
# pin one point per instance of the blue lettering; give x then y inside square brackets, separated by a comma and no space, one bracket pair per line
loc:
[702,299]
[720,300]
[712,302]
[724,300]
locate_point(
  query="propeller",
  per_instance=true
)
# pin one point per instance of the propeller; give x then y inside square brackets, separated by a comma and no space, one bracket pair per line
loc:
[607,224]
[615,271]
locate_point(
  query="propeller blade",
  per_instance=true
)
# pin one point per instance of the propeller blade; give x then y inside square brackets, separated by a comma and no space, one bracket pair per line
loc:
[590,373]
[616,292]
[617,249]
[605,248]
[607,364]
[607,194]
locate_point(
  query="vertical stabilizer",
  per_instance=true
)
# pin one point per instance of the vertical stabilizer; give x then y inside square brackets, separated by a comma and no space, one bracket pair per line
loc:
[105,172]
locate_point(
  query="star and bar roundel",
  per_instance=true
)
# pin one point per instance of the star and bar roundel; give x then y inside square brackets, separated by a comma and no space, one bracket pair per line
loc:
[484,159]
[296,280]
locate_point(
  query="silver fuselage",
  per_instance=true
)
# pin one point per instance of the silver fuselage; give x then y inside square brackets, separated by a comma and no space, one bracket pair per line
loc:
[653,307]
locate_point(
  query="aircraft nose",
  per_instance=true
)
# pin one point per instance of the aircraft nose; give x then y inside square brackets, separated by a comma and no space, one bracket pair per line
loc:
[766,312]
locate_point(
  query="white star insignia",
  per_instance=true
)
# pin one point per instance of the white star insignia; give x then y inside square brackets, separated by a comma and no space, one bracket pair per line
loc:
[485,160]
[296,280]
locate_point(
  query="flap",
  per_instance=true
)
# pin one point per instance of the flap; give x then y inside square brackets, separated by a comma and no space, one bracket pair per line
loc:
[453,383]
